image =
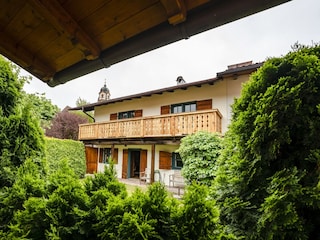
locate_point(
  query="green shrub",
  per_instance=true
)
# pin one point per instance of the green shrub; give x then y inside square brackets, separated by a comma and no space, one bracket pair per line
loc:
[59,212]
[199,153]
[72,151]
[62,206]
[154,208]
[198,216]
[106,180]
[29,182]
[106,195]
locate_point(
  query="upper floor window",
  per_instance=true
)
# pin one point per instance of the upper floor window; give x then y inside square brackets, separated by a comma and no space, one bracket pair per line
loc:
[184,107]
[127,114]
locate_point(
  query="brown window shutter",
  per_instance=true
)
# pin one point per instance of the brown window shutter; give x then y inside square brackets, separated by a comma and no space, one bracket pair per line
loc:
[143,160]
[125,164]
[165,109]
[138,113]
[91,159]
[100,155]
[115,155]
[204,104]
[113,116]
[165,160]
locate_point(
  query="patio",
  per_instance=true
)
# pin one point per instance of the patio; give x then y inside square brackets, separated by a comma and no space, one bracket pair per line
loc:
[176,192]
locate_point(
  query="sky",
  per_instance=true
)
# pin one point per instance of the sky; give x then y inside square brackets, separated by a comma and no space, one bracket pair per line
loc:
[270,33]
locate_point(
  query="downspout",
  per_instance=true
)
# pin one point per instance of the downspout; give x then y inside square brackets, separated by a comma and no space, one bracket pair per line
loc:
[94,120]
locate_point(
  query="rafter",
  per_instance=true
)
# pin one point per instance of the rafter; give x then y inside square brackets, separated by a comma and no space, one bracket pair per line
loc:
[65,24]
[25,59]
[176,11]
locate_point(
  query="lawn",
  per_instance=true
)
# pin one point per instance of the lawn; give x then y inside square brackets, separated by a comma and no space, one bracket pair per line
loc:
[131,188]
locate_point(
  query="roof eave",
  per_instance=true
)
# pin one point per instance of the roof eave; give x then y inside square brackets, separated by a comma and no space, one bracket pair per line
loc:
[210,15]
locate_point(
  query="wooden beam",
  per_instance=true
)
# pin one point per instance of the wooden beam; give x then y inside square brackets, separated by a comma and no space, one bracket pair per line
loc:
[112,150]
[21,56]
[56,15]
[176,11]
[153,154]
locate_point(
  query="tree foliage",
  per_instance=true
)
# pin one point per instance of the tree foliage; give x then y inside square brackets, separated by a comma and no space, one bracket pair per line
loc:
[267,183]
[41,107]
[89,115]
[81,102]
[199,153]
[65,125]
[20,133]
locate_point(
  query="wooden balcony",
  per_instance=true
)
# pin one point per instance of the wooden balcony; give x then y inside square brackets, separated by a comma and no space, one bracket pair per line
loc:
[171,125]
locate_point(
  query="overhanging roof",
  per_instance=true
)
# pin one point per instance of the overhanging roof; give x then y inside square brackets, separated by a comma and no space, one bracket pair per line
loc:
[237,70]
[59,40]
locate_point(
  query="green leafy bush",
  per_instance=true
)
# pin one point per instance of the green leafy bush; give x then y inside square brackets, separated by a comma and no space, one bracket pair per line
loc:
[199,153]
[72,151]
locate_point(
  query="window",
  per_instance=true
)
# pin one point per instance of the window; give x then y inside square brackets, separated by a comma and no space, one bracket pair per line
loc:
[176,161]
[106,153]
[128,114]
[184,107]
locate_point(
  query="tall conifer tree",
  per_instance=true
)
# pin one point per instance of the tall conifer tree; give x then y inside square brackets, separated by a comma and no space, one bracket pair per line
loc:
[268,178]
[20,134]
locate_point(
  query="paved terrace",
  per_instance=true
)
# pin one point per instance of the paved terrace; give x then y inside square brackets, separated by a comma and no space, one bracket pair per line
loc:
[177,193]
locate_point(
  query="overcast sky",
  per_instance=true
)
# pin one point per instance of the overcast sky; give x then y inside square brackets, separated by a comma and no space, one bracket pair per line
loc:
[270,33]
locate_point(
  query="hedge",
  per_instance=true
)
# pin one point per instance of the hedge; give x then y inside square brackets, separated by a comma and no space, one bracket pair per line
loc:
[73,151]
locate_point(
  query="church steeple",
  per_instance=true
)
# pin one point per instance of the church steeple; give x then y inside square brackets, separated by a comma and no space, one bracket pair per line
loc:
[104,93]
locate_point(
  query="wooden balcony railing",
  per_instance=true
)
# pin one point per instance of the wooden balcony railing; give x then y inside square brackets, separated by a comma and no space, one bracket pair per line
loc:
[157,126]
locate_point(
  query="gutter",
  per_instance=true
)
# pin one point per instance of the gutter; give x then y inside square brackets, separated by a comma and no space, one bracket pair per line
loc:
[83,110]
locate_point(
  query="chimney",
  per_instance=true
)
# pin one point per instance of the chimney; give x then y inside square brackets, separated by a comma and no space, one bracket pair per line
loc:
[180,80]
[243,64]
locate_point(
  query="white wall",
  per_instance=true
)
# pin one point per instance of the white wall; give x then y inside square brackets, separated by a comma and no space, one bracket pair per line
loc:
[222,94]
[164,173]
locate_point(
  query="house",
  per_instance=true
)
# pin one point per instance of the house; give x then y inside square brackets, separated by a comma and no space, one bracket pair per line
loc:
[144,130]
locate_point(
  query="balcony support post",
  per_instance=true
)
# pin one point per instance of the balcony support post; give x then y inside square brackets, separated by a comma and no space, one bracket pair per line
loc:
[112,152]
[98,158]
[153,153]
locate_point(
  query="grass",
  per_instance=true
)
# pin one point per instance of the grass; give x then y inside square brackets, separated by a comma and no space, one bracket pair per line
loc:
[132,188]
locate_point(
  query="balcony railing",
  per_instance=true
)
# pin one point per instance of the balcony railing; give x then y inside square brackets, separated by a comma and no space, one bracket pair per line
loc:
[170,125]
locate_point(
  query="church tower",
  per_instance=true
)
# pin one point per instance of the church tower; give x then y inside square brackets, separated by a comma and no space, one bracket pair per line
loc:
[104,93]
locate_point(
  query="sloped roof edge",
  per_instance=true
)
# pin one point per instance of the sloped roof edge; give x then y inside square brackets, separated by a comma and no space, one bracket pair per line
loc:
[209,16]
[220,76]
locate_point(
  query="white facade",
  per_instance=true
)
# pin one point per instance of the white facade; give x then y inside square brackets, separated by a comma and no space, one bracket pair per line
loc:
[220,92]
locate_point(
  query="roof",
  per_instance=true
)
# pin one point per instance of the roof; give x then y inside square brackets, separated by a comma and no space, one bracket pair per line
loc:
[236,69]
[60,40]
[239,70]
[104,88]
